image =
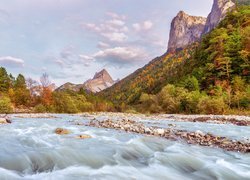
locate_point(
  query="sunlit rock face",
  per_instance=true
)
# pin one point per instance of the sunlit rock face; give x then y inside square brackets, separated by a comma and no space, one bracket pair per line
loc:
[101,81]
[219,11]
[185,29]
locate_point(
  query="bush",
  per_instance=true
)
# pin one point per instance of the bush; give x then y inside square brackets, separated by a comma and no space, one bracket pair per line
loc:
[192,84]
[172,99]
[40,108]
[5,105]
[211,105]
[192,100]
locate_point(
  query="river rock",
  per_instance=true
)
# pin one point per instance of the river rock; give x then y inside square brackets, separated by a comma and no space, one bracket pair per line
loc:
[83,136]
[198,132]
[160,132]
[62,131]
[4,121]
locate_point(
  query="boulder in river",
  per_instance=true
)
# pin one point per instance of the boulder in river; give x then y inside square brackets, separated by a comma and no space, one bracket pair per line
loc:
[4,121]
[62,131]
[83,136]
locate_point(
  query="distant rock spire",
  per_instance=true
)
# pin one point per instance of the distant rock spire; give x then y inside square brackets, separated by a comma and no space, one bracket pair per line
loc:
[185,29]
[219,10]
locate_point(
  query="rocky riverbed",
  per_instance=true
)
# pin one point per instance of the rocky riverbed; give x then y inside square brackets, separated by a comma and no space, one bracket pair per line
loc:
[197,137]
[122,146]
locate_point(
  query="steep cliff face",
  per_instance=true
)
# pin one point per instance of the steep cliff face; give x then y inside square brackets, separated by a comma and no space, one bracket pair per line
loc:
[101,81]
[219,11]
[185,29]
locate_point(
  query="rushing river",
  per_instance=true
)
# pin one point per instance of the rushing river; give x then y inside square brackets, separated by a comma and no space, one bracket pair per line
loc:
[31,150]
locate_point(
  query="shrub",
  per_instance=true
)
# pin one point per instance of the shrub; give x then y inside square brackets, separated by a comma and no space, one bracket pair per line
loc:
[211,105]
[5,105]
[40,108]
[192,84]
[192,100]
[172,99]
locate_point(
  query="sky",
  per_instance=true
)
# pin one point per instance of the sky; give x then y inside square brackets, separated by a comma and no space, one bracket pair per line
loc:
[72,39]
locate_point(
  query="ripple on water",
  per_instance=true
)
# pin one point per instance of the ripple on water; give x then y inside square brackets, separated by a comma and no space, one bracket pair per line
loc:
[33,151]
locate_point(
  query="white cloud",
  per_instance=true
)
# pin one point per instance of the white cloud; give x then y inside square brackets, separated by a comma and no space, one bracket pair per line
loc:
[11,61]
[102,45]
[144,26]
[114,29]
[116,16]
[116,22]
[86,58]
[115,37]
[121,56]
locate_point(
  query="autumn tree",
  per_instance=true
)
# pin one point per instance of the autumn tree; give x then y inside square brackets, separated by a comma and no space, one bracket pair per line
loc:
[21,92]
[46,95]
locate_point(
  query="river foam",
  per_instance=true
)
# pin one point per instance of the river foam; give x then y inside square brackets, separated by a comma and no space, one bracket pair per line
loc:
[30,150]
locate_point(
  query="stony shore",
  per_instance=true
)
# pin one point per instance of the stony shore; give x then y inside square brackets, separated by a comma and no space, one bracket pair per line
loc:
[134,123]
[196,138]
[215,119]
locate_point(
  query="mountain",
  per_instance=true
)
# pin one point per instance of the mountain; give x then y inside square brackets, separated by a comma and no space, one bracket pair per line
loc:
[185,29]
[100,81]
[71,87]
[218,12]
[216,59]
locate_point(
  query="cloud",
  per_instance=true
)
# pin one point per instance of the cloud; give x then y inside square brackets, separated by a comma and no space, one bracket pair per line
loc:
[113,30]
[86,60]
[144,26]
[115,37]
[11,61]
[102,45]
[116,16]
[120,56]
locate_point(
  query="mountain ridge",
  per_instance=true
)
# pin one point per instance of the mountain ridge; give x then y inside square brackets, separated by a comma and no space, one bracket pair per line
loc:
[99,82]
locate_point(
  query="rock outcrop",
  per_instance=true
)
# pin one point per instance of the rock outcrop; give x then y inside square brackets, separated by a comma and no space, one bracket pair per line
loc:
[185,29]
[218,12]
[101,81]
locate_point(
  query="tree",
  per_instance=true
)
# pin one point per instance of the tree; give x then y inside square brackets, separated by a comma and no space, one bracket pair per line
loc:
[5,105]
[44,79]
[46,95]
[5,80]
[21,92]
[192,84]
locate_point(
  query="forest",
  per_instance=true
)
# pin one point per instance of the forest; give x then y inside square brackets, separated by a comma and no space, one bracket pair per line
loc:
[208,77]
[28,95]
[211,76]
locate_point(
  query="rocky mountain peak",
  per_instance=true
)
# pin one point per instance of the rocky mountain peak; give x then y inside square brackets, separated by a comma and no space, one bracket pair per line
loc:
[104,75]
[185,29]
[218,12]
[100,81]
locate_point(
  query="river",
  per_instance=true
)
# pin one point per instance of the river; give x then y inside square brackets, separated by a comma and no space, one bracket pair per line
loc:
[31,150]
